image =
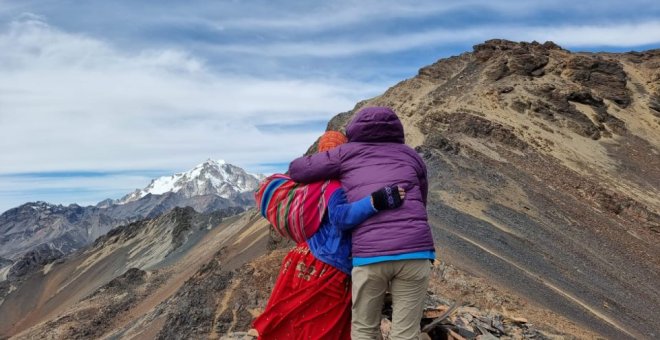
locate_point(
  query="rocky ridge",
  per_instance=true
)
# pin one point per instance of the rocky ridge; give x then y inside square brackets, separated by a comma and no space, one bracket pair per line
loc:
[115,272]
[544,174]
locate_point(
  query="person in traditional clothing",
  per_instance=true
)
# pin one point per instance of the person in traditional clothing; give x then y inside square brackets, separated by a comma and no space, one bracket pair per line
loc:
[391,250]
[311,298]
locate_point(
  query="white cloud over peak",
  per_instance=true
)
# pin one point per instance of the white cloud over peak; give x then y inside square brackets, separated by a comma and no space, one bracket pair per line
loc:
[69,101]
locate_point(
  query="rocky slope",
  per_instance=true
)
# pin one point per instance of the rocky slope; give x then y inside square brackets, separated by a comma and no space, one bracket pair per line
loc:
[544,173]
[217,295]
[37,231]
[160,253]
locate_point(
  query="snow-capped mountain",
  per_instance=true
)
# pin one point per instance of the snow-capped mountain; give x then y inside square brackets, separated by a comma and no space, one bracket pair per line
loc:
[209,178]
[41,230]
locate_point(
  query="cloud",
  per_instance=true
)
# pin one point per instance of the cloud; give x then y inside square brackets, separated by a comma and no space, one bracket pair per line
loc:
[619,35]
[339,14]
[310,18]
[165,85]
[72,102]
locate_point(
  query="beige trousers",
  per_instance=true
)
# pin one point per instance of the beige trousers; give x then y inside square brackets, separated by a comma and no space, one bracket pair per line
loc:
[407,280]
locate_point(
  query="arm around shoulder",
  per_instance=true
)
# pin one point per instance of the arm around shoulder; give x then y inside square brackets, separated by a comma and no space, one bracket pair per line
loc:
[344,215]
[316,167]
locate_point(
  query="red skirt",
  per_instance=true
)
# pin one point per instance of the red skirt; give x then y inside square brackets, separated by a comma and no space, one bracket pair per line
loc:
[310,300]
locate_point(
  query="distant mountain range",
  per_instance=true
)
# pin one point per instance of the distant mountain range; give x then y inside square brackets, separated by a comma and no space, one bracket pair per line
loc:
[39,232]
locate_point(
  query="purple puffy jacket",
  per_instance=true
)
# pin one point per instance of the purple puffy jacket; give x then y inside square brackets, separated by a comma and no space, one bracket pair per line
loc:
[375,156]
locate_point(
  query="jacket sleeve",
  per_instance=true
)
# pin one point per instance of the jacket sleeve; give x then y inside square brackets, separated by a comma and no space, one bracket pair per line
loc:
[423,179]
[344,215]
[316,167]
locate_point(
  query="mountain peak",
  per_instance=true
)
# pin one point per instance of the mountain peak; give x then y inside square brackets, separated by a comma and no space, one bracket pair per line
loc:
[212,177]
[213,162]
[39,205]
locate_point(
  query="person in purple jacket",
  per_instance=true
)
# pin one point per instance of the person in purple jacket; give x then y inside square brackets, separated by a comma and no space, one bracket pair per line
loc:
[392,249]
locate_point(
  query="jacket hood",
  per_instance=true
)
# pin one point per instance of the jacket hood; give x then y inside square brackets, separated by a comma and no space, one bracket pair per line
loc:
[375,124]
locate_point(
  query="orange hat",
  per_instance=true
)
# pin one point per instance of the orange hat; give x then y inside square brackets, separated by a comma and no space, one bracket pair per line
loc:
[331,139]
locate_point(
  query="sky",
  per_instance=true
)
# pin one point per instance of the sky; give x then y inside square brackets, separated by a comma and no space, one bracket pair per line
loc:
[99,97]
